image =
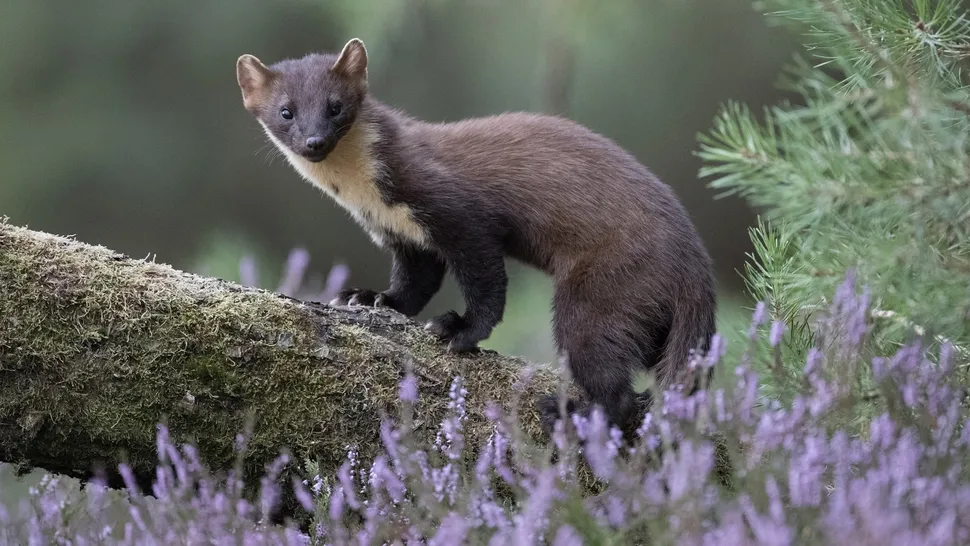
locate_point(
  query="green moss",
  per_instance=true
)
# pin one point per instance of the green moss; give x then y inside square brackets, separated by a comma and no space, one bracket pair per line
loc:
[96,348]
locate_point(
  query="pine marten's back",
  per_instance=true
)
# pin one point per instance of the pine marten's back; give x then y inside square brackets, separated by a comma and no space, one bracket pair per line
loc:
[560,184]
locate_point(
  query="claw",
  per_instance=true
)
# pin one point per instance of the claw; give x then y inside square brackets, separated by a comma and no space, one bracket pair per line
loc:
[458,345]
[445,326]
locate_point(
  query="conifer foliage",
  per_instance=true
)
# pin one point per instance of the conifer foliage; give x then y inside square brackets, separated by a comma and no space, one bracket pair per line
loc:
[868,170]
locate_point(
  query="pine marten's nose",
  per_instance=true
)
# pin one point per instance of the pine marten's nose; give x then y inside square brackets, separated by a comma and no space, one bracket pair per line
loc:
[314,143]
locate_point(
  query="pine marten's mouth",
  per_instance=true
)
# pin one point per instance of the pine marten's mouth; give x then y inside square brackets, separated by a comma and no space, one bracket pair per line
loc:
[315,156]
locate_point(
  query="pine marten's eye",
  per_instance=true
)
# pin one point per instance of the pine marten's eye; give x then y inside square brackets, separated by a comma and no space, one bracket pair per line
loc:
[286,114]
[336,108]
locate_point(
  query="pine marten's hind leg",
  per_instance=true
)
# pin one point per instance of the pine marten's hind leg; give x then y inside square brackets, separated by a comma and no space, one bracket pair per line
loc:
[605,339]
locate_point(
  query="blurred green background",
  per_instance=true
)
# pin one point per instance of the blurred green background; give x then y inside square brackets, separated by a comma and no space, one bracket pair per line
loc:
[121,122]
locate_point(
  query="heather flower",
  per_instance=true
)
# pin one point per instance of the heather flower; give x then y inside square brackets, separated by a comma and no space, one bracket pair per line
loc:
[484,463]
[846,322]
[450,439]
[813,362]
[530,523]
[759,314]
[452,531]
[748,389]
[566,535]
[805,472]
[721,412]
[496,448]
[292,281]
[240,443]
[408,391]
[317,486]
[600,448]
[823,396]
[645,425]
[677,405]
[687,468]
[382,476]
[420,458]
[767,530]
[337,503]
[775,508]
[296,264]
[526,375]
[493,412]
[162,443]
[129,478]
[732,530]
[347,485]
[487,512]
[302,495]
[270,490]
[777,330]
[181,469]
[445,482]
[36,536]
[373,511]
[899,480]
[615,511]
[336,280]
[248,275]
[389,439]
[715,351]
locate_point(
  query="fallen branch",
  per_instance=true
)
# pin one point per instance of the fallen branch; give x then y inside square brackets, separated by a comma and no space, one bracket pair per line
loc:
[97,348]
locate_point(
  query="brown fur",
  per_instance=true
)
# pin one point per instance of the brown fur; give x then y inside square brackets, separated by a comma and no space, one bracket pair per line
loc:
[633,282]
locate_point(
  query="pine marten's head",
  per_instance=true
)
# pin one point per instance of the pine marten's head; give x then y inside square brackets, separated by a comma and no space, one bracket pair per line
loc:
[307,104]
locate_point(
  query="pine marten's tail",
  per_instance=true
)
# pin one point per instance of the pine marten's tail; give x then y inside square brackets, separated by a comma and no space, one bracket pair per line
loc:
[691,329]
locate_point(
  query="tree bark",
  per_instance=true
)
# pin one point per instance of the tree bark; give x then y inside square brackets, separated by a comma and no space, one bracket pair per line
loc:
[97,348]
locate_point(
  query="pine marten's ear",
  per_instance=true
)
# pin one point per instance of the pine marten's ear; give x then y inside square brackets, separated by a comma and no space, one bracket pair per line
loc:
[254,79]
[352,61]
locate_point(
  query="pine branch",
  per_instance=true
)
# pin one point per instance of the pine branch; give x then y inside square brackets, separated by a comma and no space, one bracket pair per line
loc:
[870,173]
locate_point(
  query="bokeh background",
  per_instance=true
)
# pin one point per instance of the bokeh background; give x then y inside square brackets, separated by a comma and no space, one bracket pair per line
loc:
[121,122]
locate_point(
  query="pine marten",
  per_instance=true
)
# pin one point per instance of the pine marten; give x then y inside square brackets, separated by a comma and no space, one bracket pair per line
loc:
[634,286]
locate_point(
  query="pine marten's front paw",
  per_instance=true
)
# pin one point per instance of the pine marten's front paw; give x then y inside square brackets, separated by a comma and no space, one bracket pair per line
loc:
[363,297]
[453,328]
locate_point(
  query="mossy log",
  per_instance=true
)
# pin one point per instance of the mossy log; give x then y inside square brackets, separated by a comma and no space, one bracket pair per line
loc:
[96,348]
